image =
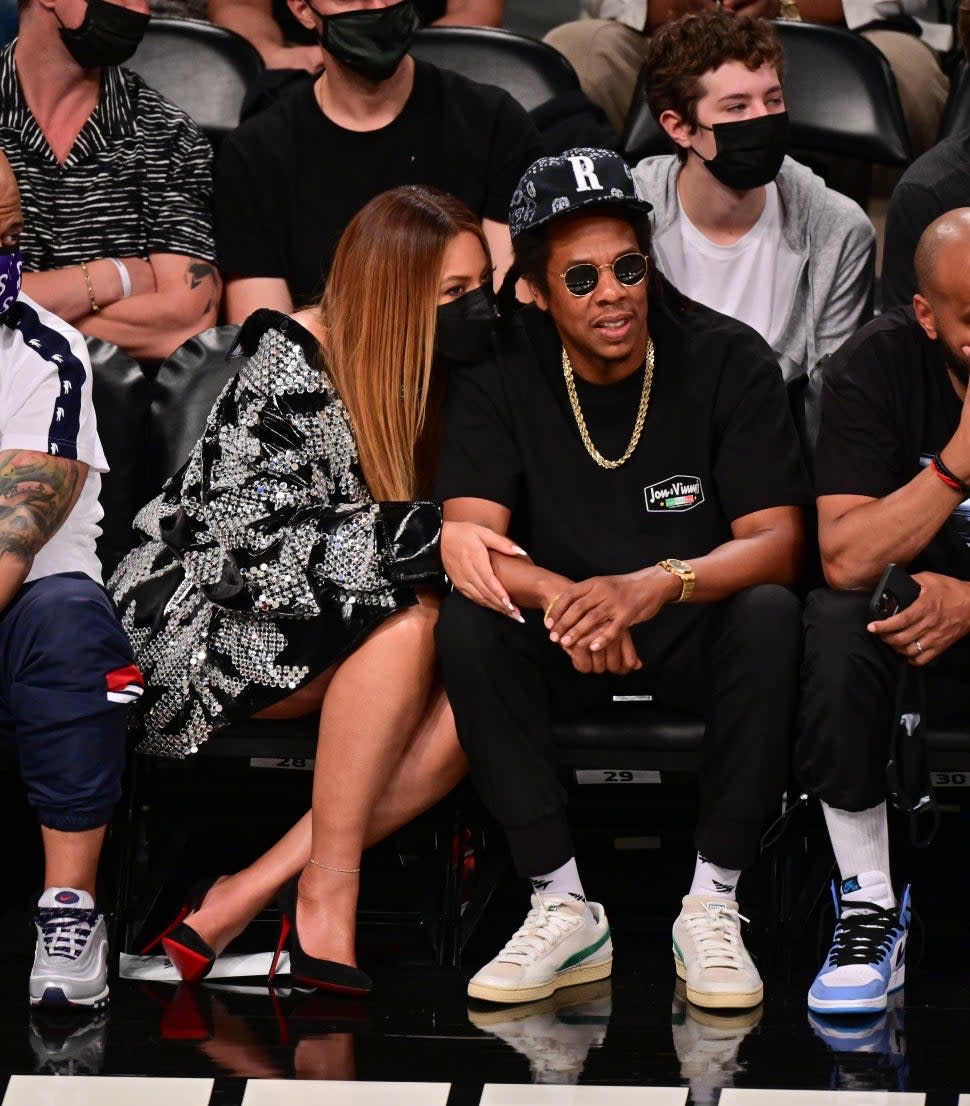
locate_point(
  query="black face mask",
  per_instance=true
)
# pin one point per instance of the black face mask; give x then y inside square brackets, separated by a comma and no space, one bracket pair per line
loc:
[108,35]
[371,41]
[465,327]
[749,152]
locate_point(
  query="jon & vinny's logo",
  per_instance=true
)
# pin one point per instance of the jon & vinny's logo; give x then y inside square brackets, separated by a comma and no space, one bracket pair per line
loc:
[674,493]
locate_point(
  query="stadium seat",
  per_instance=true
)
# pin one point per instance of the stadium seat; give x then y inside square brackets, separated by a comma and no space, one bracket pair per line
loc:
[530,71]
[956,116]
[121,400]
[204,69]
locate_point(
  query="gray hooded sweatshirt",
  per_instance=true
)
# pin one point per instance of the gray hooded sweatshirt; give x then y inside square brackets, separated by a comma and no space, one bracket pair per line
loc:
[833,243]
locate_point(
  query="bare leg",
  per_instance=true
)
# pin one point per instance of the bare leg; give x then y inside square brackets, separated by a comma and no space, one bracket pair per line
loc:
[371,708]
[71,857]
[431,765]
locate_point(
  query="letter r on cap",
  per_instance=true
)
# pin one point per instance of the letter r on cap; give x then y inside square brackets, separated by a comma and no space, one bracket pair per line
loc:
[585,173]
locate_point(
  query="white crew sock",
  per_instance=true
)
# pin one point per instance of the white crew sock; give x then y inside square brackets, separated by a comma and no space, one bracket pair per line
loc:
[565,883]
[710,879]
[860,841]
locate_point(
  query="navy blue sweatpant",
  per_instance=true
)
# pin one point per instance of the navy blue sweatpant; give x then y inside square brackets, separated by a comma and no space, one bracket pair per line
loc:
[66,673]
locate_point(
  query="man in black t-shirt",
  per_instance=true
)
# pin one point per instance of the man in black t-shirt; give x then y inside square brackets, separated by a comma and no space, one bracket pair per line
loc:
[290,179]
[640,447]
[893,481]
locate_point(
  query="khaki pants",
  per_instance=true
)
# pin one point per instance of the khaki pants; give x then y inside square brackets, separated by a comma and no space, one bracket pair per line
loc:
[608,56]
[923,86]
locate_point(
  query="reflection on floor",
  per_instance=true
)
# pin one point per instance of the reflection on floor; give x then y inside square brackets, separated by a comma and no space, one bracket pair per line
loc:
[418,1039]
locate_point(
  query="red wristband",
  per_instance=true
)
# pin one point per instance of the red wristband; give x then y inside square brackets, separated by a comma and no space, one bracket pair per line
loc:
[951,480]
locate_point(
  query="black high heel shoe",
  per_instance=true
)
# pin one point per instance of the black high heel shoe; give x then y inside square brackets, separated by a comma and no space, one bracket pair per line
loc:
[325,975]
[193,958]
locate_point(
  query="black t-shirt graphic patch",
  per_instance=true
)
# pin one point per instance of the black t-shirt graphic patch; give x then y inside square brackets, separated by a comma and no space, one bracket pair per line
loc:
[674,493]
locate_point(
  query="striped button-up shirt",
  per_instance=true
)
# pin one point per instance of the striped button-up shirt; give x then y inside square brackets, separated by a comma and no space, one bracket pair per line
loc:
[138,179]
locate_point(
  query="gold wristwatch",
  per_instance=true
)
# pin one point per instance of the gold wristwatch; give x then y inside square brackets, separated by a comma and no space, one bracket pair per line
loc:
[685,573]
[789,10]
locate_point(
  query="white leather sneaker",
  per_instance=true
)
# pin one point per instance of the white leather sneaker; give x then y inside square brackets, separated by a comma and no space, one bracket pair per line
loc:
[554,947]
[710,956]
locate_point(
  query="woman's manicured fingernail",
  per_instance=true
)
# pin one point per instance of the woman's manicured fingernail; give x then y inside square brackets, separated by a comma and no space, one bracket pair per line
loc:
[519,551]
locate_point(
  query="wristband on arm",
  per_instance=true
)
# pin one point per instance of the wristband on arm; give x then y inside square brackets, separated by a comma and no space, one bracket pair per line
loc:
[124,275]
[949,478]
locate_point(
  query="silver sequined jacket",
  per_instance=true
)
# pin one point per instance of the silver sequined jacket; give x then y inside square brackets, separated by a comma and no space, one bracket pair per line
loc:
[264,560]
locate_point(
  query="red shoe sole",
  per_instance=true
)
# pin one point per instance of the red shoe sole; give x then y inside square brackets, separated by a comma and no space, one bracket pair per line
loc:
[358,992]
[191,966]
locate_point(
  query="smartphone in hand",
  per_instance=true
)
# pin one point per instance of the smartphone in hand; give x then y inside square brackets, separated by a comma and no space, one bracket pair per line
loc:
[895,591]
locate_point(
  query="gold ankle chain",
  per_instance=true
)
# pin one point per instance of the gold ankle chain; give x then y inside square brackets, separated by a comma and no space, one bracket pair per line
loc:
[345,871]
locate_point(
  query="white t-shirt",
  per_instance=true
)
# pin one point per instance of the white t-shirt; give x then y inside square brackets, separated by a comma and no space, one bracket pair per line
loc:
[46,406]
[752,280]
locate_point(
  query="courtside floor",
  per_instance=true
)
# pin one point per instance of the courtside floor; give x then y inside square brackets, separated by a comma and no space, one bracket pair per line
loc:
[417,1041]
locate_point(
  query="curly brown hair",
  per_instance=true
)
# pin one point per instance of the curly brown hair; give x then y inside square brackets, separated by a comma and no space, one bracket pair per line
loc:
[680,53]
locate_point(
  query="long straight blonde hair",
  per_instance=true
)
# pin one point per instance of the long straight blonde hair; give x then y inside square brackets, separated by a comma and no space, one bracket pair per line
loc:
[378,312]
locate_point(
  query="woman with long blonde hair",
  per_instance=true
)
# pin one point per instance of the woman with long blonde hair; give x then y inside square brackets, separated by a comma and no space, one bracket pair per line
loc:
[293,567]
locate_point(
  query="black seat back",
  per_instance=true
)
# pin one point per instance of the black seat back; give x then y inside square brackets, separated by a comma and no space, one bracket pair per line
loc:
[530,71]
[204,69]
[956,116]
[187,385]
[841,96]
[121,402]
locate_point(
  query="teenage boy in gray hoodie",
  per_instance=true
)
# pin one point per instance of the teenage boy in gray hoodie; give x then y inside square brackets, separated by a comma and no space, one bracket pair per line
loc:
[738,225]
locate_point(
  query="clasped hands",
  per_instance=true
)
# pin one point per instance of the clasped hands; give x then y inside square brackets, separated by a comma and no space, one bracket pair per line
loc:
[939,617]
[591,619]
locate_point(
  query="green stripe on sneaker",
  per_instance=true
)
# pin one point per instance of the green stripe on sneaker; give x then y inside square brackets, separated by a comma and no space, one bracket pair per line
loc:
[579,957]
[677,952]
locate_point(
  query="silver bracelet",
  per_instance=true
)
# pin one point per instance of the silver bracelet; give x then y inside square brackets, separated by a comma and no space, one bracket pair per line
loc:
[124,275]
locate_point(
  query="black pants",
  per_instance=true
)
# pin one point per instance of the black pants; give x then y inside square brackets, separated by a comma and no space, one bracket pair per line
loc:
[849,684]
[736,661]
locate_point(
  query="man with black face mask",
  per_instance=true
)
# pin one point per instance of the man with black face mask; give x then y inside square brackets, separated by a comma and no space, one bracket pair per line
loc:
[738,226]
[116,181]
[893,480]
[284,44]
[291,178]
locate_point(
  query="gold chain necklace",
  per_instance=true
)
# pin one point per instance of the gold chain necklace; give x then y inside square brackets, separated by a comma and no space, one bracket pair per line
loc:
[604,462]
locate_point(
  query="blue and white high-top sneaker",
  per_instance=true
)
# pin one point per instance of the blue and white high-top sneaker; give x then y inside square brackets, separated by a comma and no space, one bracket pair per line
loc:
[867,960]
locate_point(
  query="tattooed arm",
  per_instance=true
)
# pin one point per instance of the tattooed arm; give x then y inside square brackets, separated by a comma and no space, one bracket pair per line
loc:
[37,493]
[151,325]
